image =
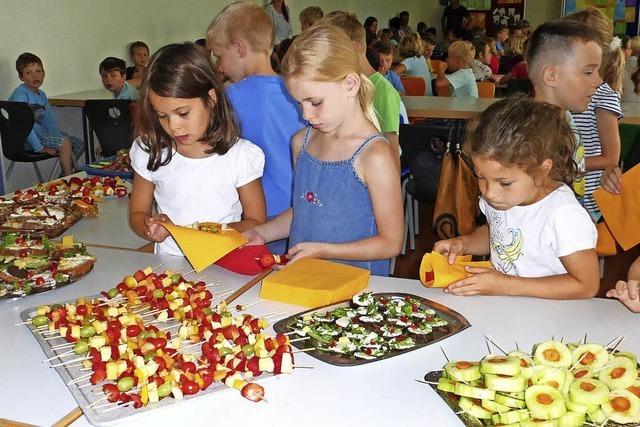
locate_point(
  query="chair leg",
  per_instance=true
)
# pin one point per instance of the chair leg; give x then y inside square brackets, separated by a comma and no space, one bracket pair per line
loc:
[55,169]
[406,219]
[416,216]
[35,166]
[392,265]
[9,169]
[601,263]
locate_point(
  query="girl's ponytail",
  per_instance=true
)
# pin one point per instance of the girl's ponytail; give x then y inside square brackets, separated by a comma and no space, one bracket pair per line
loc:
[365,96]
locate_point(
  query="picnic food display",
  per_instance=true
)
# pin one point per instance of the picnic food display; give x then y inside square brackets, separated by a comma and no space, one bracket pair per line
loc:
[31,265]
[157,337]
[52,207]
[314,283]
[370,327]
[557,384]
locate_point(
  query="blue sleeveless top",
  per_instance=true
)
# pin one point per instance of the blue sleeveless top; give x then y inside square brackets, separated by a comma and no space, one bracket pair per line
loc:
[331,204]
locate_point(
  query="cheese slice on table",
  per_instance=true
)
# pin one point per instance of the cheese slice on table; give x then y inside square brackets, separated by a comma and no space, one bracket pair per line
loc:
[203,248]
[436,272]
[314,283]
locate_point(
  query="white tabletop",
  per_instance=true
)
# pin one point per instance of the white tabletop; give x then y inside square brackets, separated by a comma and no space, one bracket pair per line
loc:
[77,99]
[383,393]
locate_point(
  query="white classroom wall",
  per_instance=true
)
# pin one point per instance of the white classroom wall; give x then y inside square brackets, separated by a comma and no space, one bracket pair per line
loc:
[73,36]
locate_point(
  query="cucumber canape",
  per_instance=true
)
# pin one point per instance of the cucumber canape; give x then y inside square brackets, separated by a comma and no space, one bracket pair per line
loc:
[512,417]
[552,353]
[544,402]
[511,402]
[500,365]
[446,385]
[587,391]
[622,406]
[463,371]
[505,383]
[473,409]
[572,419]
[621,373]
[593,356]
[474,392]
[558,378]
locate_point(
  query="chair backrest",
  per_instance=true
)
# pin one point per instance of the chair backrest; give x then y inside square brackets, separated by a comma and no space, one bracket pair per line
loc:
[519,86]
[444,91]
[111,121]
[423,147]
[486,89]
[414,86]
[16,122]
[435,64]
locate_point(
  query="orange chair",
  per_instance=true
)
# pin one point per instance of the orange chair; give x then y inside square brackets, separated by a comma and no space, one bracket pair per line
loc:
[486,89]
[435,64]
[414,86]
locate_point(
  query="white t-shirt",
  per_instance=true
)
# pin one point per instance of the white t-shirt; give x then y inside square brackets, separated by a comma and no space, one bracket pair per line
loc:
[189,190]
[463,83]
[528,241]
[417,67]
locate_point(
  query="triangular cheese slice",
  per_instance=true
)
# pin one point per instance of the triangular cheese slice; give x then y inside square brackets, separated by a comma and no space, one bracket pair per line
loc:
[203,248]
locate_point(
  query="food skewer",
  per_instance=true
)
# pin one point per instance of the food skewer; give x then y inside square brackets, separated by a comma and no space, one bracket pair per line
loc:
[445,354]
[68,353]
[493,341]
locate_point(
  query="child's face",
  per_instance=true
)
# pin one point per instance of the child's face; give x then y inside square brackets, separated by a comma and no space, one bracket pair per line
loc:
[486,55]
[33,76]
[325,104]
[503,35]
[183,119]
[385,62]
[505,187]
[577,77]
[428,50]
[140,56]
[113,80]
[229,61]
[454,63]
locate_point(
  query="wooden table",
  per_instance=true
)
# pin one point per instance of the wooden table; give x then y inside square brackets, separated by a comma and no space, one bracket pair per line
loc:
[383,393]
[77,99]
[442,107]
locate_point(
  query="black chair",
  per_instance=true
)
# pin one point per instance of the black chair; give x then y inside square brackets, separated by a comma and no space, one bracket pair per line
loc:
[16,122]
[423,146]
[110,119]
[519,86]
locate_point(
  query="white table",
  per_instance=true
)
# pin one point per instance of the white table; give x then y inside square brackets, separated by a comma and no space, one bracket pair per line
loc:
[378,394]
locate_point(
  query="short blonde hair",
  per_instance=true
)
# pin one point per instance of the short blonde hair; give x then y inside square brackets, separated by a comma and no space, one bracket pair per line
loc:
[411,45]
[464,50]
[324,53]
[311,15]
[348,23]
[634,43]
[242,20]
[517,45]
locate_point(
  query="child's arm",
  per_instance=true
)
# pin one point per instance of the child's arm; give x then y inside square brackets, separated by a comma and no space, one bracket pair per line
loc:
[607,124]
[399,69]
[380,174]
[581,281]
[441,80]
[629,292]
[276,229]
[611,180]
[476,243]
[254,211]
[142,222]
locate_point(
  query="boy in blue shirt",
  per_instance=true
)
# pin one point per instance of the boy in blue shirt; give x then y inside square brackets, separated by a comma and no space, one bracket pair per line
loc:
[46,136]
[462,80]
[114,78]
[241,37]
[385,52]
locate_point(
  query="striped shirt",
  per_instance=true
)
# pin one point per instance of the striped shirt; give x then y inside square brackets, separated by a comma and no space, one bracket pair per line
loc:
[609,100]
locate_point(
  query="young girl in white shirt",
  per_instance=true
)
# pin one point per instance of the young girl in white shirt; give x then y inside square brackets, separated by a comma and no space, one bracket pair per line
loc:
[541,240]
[187,155]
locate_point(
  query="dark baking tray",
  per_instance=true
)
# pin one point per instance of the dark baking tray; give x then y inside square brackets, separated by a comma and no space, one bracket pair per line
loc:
[457,323]
[469,420]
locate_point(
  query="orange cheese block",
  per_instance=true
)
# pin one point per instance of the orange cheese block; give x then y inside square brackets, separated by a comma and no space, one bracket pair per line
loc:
[436,272]
[314,283]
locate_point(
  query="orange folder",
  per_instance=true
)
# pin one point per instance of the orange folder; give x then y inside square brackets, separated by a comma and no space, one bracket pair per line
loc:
[436,272]
[203,248]
[621,211]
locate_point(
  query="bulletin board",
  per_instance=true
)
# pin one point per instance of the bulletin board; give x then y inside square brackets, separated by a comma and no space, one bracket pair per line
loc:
[489,13]
[624,13]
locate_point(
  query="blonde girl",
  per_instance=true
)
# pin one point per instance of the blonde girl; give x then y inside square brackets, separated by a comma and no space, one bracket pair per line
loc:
[598,124]
[414,64]
[540,239]
[188,157]
[346,193]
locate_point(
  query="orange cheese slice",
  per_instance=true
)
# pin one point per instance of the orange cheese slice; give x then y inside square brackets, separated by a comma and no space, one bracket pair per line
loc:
[203,248]
[314,283]
[436,272]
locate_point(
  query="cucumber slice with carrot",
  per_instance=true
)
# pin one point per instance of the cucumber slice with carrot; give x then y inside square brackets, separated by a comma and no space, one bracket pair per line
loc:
[620,373]
[493,406]
[544,402]
[500,365]
[553,353]
[446,385]
[572,419]
[558,378]
[622,406]
[463,371]
[505,383]
[510,401]
[597,416]
[580,408]
[474,392]
[587,391]
[593,356]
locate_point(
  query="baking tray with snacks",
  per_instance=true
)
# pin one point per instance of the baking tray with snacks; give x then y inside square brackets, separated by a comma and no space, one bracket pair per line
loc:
[558,384]
[155,340]
[371,327]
